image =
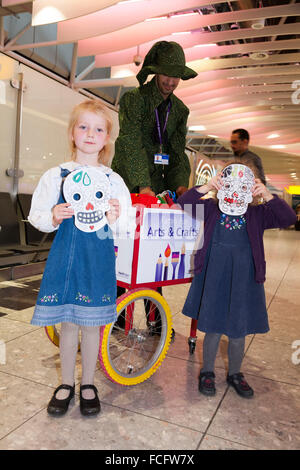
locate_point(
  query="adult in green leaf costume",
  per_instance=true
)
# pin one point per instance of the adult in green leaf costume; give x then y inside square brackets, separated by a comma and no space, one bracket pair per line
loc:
[150,149]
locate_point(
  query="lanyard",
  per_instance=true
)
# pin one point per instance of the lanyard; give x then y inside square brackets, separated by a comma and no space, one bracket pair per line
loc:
[165,123]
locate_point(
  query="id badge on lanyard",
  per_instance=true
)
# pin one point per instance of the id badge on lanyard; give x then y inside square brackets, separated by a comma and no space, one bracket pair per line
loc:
[161,158]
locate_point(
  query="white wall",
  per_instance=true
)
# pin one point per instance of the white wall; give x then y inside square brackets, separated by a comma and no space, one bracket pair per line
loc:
[46,108]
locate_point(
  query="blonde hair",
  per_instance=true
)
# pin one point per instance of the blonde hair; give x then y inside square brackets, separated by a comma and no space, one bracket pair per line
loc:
[95,107]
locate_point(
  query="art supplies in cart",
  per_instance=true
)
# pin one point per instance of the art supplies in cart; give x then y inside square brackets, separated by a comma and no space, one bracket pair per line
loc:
[167,197]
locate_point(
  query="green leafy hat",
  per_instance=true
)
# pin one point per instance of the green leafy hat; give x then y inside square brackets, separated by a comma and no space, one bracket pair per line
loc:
[166,58]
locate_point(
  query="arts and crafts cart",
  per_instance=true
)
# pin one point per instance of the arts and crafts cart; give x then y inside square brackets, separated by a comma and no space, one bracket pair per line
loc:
[158,254]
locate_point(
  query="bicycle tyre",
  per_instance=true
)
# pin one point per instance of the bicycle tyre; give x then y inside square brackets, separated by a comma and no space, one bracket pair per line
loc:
[131,359]
[53,334]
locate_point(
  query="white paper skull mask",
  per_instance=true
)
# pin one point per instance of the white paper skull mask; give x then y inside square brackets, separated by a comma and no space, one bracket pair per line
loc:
[235,195]
[87,189]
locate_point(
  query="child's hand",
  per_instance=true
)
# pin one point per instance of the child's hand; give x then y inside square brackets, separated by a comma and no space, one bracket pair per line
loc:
[181,190]
[259,189]
[114,212]
[147,190]
[61,212]
[214,183]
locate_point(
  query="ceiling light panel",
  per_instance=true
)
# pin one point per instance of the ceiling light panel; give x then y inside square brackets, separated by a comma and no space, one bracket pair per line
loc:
[53,11]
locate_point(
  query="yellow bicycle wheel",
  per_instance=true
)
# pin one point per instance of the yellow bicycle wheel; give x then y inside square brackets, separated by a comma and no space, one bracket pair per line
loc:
[53,333]
[131,353]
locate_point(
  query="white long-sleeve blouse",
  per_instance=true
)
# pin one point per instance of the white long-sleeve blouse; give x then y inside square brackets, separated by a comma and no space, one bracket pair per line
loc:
[47,192]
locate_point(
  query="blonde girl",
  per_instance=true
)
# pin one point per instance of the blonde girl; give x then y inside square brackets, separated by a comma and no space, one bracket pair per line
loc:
[78,288]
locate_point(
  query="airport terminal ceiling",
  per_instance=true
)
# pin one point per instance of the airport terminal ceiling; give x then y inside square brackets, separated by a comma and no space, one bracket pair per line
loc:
[246,53]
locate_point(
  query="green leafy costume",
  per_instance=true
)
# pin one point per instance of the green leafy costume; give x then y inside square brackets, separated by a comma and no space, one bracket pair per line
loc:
[136,145]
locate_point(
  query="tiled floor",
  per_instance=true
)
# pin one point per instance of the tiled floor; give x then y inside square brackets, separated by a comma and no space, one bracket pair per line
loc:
[166,411]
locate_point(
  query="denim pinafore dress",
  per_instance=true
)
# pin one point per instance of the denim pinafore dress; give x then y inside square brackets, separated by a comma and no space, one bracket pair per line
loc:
[79,282]
[224,297]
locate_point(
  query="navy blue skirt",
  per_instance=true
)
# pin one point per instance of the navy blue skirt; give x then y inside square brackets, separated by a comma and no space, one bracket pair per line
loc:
[224,297]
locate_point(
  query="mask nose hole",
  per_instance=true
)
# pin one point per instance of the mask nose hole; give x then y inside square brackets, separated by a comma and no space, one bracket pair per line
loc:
[89,207]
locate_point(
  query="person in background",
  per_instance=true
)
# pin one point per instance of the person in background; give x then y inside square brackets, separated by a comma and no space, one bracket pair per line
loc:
[239,142]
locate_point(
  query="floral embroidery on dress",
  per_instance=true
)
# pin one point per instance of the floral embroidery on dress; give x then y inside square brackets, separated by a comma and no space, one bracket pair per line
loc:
[232,222]
[106,298]
[83,298]
[49,298]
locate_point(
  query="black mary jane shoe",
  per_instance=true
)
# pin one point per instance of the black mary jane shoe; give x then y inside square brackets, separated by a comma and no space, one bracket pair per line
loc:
[58,407]
[207,383]
[91,406]
[240,385]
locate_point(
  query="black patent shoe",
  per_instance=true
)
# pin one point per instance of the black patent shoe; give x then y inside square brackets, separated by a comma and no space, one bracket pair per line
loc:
[89,407]
[207,383]
[60,407]
[240,385]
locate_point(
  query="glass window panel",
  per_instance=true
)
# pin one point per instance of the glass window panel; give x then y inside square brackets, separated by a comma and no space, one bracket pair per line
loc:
[8,106]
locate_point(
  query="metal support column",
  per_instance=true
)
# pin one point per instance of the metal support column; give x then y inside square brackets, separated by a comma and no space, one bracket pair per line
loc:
[15,172]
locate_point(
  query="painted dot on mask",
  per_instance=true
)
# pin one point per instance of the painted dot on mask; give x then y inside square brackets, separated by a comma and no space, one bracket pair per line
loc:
[76,197]
[99,194]
[86,180]
[77,177]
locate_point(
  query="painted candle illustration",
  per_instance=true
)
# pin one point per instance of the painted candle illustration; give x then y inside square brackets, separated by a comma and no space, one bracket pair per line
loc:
[174,261]
[167,254]
[158,269]
[181,268]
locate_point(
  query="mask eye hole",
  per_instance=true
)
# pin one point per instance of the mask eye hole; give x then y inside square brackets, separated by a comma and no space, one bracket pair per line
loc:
[244,187]
[76,197]
[227,185]
[99,194]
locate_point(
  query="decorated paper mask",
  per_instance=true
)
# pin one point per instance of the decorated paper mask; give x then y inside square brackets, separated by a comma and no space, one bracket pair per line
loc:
[87,189]
[235,195]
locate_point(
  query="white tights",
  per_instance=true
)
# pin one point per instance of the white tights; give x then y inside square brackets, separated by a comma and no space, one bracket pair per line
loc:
[89,347]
